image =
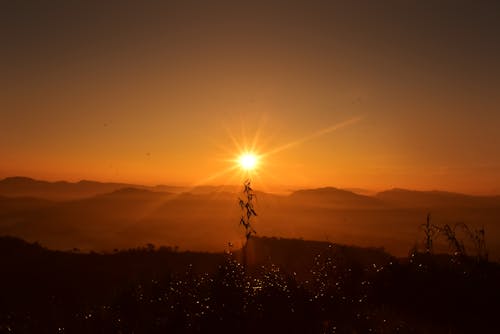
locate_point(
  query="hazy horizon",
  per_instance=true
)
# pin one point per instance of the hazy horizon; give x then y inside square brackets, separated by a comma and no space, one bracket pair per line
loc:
[100,216]
[278,189]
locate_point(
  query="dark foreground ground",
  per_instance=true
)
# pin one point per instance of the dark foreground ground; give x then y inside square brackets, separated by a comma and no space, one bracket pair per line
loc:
[290,286]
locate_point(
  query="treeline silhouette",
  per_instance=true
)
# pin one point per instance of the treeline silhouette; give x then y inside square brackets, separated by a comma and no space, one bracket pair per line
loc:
[290,286]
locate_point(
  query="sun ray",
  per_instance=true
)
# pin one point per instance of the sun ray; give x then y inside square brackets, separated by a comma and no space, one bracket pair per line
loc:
[316,134]
[248,153]
[248,162]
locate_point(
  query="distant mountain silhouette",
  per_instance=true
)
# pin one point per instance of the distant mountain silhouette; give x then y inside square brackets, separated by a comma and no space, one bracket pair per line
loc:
[123,218]
[361,191]
[19,186]
[61,190]
[83,215]
[334,197]
[435,199]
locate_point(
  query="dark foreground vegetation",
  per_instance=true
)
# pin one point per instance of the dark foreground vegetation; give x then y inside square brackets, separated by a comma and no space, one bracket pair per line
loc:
[290,286]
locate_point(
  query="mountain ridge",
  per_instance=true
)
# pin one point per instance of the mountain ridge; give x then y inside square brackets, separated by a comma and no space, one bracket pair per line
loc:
[22,186]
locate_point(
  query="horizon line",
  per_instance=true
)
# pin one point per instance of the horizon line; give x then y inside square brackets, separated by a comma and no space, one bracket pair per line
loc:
[284,188]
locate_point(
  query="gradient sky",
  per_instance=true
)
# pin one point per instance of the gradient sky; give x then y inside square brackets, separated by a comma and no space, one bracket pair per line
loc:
[153,91]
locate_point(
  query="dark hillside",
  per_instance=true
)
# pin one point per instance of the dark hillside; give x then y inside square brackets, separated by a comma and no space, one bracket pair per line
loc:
[293,286]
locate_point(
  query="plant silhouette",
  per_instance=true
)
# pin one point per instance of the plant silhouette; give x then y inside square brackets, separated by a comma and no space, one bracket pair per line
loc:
[248,211]
[475,236]
[429,230]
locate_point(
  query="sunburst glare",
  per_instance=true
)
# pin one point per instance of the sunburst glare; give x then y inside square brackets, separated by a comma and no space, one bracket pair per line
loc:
[248,161]
[250,157]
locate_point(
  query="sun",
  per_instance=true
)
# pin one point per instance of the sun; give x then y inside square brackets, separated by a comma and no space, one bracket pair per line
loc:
[248,161]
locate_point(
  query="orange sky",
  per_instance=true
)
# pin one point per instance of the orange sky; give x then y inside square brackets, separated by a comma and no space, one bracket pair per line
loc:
[149,92]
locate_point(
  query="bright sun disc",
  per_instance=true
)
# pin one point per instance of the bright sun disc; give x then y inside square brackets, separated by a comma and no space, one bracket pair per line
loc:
[248,161]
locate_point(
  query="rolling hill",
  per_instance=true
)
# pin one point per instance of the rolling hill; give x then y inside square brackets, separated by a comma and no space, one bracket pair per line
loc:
[206,218]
